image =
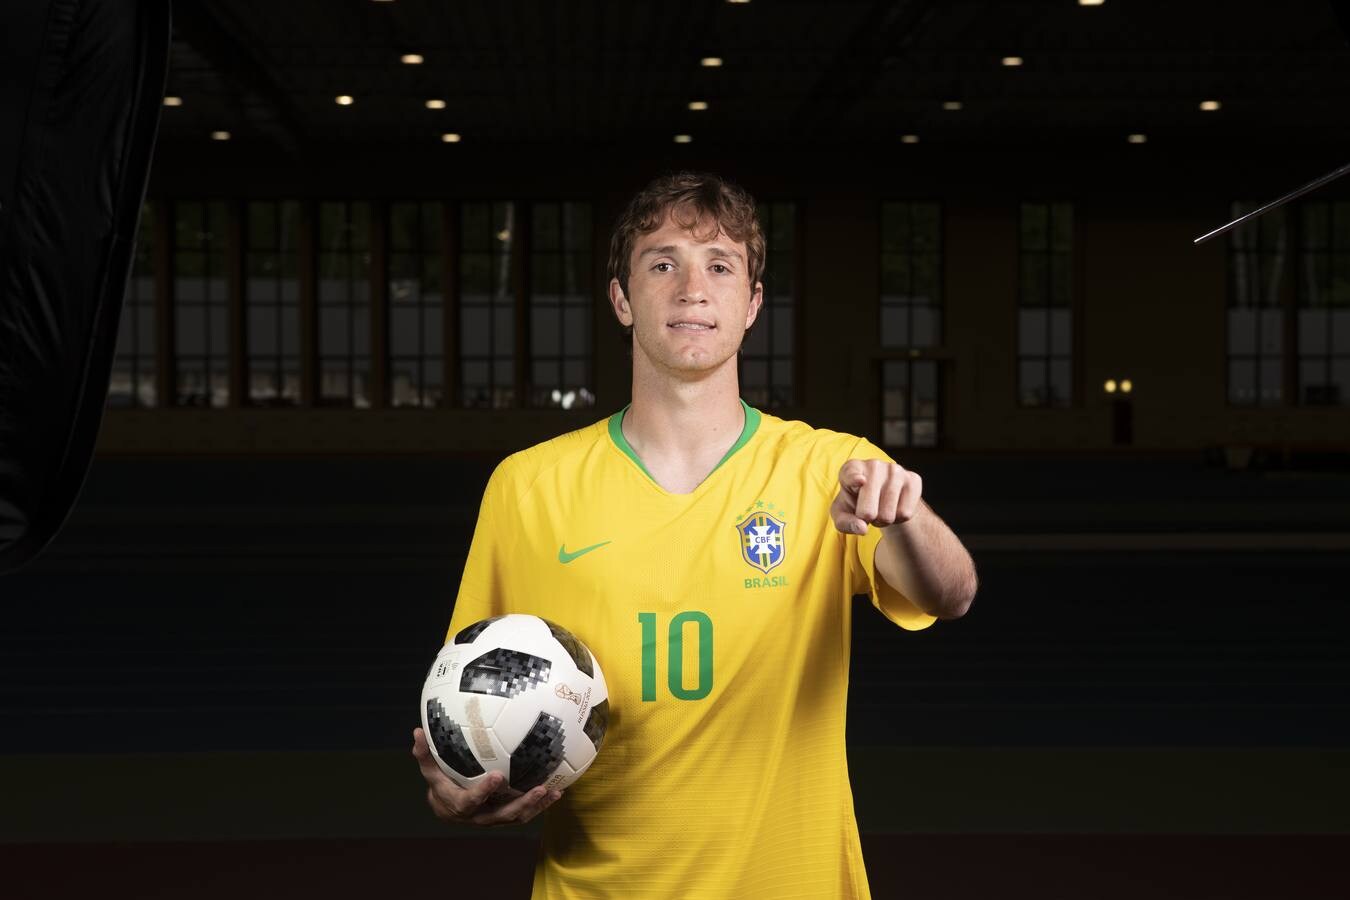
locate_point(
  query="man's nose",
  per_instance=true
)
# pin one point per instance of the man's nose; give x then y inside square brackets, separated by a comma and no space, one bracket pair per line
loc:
[695,287]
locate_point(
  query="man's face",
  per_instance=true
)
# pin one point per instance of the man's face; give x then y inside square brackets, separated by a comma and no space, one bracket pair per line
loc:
[689,301]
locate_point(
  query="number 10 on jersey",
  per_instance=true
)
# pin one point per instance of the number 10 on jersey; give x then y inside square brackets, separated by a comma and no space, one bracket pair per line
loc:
[675,655]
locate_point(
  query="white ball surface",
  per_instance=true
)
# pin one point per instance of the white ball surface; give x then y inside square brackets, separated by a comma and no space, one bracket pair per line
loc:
[519,695]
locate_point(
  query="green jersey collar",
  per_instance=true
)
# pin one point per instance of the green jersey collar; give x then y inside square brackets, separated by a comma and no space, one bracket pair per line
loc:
[752,417]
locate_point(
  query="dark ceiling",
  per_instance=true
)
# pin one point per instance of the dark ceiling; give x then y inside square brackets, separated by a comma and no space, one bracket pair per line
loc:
[801,72]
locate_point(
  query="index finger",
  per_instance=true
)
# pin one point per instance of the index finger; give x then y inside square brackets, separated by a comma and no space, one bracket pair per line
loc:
[869,495]
[852,476]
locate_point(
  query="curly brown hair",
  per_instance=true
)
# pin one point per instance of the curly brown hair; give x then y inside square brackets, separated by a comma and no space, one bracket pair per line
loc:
[689,197]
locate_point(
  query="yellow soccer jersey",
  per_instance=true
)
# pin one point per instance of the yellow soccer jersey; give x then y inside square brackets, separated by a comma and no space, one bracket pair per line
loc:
[721,620]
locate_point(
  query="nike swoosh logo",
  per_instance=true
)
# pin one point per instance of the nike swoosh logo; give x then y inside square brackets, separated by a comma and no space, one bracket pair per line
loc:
[564,557]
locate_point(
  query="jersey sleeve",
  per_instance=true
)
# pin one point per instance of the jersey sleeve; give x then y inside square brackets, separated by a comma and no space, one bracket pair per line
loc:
[861,553]
[480,587]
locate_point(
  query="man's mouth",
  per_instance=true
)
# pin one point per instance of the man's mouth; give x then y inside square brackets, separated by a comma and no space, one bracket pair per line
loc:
[692,326]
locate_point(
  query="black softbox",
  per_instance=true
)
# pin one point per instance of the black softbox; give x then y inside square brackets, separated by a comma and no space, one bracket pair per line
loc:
[81,83]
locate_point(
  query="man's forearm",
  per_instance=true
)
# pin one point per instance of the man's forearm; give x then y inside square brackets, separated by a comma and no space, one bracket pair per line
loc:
[924,561]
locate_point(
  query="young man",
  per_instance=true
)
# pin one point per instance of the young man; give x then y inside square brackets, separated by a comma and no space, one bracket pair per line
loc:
[706,553]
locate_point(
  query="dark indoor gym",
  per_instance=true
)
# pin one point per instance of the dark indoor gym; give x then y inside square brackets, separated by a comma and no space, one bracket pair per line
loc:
[282,283]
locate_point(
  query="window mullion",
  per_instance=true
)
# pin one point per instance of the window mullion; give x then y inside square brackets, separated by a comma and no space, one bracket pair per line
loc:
[450,362]
[520,270]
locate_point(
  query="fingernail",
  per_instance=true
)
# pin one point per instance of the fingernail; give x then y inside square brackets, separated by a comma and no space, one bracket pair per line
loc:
[555,796]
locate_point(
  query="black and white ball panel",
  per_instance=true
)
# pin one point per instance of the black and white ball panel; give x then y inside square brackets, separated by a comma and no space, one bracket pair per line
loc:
[468,635]
[596,723]
[580,655]
[504,673]
[537,754]
[447,736]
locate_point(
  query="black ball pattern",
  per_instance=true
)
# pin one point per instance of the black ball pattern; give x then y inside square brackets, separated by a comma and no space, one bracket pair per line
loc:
[538,753]
[575,649]
[448,738]
[504,673]
[467,635]
[596,723]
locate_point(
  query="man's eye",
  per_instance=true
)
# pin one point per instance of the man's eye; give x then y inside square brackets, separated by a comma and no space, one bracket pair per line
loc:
[659,265]
[720,268]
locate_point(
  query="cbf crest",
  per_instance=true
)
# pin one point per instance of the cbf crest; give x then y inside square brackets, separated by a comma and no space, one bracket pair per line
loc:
[762,540]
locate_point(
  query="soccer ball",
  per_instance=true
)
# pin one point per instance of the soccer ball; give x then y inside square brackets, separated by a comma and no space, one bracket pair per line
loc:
[518,695]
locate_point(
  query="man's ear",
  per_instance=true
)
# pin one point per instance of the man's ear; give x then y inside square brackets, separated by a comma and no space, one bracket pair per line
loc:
[619,303]
[756,302]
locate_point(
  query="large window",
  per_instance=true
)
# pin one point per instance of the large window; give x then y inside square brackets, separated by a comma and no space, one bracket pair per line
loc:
[909,403]
[769,356]
[911,320]
[133,373]
[560,305]
[272,302]
[911,279]
[487,305]
[1324,304]
[1045,305]
[344,304]
[1263,332]
[200,305]
[481,305]
[416,305]
[1257,263]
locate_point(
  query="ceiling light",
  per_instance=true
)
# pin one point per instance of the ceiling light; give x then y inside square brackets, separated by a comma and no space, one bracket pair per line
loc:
[1137,139]
[173,101]
[711,62]
[698,105]
[683,138]
[220,135]
[1126,385]
[435,104]
[909,138]
[344,100]
[411,59]
[739,2]
[450,138]
[1091,2]
[1110,386]
[1209,105]
[951,105]
[1012,60]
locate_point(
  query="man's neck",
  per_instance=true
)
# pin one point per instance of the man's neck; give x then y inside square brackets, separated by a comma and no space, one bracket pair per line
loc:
[682,429]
